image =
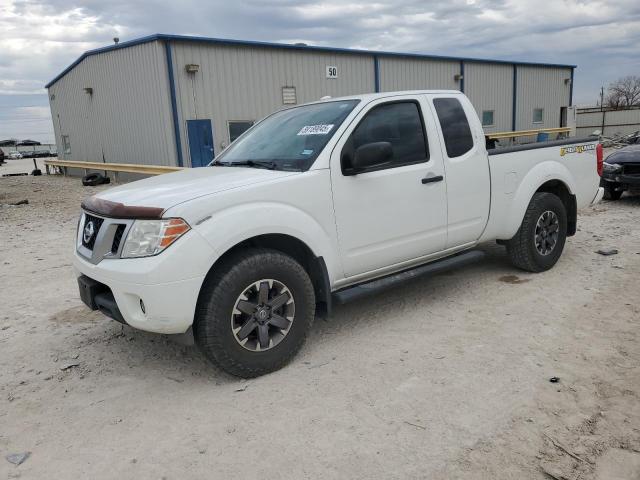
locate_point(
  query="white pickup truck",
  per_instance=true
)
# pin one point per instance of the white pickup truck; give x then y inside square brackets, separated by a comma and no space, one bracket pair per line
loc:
[321,203]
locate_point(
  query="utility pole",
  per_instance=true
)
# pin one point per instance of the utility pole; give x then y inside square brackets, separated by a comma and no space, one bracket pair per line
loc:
[602,109]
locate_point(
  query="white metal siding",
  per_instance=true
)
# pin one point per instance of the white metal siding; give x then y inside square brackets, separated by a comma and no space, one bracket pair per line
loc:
[128,117]
[245,83]
[490,87]
[407,73]
[541,87]
[615,122]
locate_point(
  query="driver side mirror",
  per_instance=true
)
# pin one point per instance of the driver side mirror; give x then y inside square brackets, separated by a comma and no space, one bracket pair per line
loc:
[371,155]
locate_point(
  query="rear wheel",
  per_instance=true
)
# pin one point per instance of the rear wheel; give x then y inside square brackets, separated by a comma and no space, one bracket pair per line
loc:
[254,312]
[538,243]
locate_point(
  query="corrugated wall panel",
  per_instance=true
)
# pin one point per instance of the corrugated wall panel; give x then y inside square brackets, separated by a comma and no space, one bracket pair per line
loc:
[490,87]
[127,119]
[589,119]
[406,73]
[541,87]
[244,83]
[615,122]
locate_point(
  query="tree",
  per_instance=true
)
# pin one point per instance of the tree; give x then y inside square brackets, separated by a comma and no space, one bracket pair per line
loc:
[624,92]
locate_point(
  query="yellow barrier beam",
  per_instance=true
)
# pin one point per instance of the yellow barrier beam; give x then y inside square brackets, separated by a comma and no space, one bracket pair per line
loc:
[113,167]
[526,133]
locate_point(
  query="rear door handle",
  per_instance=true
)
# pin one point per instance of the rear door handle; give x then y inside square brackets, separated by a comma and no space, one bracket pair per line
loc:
[436,178]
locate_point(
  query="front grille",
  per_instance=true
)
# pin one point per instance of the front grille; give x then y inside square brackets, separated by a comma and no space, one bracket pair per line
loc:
[631,169]
[117,238]
[88,241]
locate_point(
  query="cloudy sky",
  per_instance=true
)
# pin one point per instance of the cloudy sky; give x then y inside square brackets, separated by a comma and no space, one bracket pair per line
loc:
[40,38]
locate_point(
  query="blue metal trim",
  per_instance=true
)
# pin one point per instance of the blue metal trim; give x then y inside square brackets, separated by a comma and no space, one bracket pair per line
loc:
[174,103]
[376,73]
[249,43]
[462,76]
[515,96]
[571,88]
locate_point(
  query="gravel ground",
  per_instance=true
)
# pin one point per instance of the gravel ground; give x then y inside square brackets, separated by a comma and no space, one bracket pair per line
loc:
[444,378]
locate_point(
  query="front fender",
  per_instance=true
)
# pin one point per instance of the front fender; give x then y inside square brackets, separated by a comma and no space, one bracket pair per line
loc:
[235,224]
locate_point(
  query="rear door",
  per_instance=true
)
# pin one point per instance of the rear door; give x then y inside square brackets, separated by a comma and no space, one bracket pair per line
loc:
[466,164]
[396,212]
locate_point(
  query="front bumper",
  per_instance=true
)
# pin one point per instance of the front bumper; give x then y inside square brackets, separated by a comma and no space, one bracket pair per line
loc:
[161,308]
[621,178]
[142,296]
[98,296]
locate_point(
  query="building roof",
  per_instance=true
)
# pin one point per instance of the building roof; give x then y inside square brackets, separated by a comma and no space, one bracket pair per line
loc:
[286,46]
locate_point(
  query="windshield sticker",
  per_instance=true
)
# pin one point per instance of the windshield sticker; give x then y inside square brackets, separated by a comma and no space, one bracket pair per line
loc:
[315,129]
[306,152]
[577,149]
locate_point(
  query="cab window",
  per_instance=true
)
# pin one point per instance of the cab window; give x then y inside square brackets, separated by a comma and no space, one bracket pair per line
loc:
[455,126]
[400,124]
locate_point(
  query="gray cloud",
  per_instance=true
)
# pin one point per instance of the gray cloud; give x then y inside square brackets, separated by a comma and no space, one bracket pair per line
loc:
[41,37]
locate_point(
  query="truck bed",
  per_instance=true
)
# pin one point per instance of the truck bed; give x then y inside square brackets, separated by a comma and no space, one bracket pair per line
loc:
[536,145]
[516,172]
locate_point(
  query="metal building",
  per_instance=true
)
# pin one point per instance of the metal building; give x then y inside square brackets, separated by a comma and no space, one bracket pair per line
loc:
[177,100]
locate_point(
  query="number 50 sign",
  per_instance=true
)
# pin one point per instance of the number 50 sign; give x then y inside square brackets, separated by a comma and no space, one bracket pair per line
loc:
[332,71]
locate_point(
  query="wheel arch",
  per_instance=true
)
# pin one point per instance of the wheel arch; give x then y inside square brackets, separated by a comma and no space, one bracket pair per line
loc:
[314,265]
[547,176]
[561,190]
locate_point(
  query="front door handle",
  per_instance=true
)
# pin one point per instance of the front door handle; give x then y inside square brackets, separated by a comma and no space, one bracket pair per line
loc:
[437,178]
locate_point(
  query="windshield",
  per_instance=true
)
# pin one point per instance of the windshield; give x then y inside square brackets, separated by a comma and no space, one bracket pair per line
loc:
[290,139]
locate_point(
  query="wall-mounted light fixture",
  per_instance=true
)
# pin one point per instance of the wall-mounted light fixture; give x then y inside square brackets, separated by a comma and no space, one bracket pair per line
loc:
[192,68]
[88,90]
[457,77]
[567,81]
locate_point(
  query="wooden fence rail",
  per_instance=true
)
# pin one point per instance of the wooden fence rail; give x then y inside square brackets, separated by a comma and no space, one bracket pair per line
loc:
[110,167]
[526,133]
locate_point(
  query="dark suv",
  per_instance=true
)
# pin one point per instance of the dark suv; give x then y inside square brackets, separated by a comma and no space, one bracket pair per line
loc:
[621,172]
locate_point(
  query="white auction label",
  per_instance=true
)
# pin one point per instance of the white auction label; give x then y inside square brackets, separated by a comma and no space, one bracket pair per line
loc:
[315,129]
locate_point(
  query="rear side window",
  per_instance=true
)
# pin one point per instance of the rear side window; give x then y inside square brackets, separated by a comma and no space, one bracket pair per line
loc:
[455,127]
[399,124]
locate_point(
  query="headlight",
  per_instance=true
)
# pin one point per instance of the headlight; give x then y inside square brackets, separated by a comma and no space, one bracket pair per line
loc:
[611,167]
[150,237]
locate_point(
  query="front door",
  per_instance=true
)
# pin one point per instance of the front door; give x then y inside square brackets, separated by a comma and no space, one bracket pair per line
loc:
[200,142]
[398,211]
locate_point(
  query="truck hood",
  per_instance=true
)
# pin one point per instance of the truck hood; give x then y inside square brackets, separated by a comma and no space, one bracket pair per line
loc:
[170,189]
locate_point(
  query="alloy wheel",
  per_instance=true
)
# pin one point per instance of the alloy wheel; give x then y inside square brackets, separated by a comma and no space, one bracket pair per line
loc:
[546,235]
[262,315]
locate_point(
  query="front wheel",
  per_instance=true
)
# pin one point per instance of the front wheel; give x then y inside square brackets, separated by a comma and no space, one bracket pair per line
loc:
[254,312]
[538,243]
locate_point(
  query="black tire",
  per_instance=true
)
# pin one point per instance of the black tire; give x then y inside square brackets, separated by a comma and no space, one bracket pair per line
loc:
[217,302]
[94,179]
[523,250]
[611,194]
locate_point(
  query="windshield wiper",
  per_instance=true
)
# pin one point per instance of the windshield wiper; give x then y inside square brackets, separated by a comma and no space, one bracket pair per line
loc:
[270,165]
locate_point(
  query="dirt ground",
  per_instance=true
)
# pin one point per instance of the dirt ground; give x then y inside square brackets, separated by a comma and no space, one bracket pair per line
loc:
[445,378]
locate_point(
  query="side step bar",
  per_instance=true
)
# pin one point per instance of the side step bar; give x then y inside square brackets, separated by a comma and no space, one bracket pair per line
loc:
[375,286]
